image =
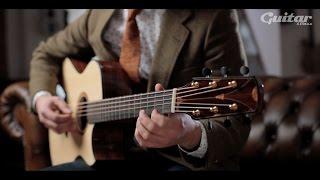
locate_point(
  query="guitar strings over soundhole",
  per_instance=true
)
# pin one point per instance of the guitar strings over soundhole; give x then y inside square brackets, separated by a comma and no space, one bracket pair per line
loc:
[83,120]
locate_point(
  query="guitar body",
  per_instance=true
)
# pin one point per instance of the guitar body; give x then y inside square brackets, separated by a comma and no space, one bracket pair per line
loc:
[83,83]
[105,125]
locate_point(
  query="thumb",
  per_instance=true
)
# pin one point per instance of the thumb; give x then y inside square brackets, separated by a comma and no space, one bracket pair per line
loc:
[159,87]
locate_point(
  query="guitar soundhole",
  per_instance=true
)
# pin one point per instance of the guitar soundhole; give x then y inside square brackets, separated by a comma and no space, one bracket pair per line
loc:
[82,120]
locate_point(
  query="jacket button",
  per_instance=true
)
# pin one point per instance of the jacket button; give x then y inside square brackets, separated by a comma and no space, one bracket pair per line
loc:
[210,126]
[246,120]
[227,123]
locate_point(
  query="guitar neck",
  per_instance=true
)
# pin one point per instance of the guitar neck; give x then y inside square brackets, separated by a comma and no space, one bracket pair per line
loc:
[126,107]
[202,98]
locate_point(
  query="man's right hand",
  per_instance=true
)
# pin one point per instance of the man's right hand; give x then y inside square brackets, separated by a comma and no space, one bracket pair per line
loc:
[55,114]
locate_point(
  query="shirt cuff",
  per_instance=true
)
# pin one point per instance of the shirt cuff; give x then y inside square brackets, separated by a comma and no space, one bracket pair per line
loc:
[203,147]
[36,96]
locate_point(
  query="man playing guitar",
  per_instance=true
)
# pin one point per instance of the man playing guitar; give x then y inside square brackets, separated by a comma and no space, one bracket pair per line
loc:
[163,49]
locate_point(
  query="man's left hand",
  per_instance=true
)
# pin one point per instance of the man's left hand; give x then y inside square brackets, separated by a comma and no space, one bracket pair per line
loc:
[160,131]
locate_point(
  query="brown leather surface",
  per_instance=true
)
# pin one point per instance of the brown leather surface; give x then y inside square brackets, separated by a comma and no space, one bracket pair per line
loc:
[16,118]
[286,129]
[14,94]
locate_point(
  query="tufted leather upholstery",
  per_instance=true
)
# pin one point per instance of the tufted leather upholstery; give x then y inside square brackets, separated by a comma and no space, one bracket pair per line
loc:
[287,129]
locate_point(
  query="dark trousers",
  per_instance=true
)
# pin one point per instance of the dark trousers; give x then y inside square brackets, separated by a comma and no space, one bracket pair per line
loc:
[157,165]
[136,160]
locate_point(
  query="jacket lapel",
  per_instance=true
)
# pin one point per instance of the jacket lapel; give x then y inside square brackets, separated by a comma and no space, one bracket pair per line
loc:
[172,38]
[98,33]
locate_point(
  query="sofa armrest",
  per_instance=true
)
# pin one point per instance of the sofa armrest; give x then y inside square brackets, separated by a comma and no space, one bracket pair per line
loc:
[22,125]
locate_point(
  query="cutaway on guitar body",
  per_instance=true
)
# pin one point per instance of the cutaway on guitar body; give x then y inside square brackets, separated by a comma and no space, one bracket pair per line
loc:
[83,83]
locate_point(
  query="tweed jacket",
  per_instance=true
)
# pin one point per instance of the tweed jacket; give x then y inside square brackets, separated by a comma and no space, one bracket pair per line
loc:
[189,40]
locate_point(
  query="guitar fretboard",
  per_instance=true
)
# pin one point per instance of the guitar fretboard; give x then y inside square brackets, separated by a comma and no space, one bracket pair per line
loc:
[125,107]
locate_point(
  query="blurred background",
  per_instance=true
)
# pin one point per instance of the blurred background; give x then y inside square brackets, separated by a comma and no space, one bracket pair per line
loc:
[285,56]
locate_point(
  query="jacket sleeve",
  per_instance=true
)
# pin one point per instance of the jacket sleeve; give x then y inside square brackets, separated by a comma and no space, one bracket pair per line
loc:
[48,56]
[222,47]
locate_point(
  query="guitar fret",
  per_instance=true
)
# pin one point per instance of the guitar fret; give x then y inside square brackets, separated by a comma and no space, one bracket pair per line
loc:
[162,104]
[111,113]
[124,113]
[134,105]
[147,109]
[154,102]
[101,110]
[140,103]
[129,106]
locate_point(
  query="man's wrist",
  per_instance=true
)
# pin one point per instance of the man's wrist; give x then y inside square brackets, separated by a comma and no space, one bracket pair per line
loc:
[192,139]
[36,97]
[200,150]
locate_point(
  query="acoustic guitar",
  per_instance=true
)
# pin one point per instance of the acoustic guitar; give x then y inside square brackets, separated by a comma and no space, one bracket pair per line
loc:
[100,96]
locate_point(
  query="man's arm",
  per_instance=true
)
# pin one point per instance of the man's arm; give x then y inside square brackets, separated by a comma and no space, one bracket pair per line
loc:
[46,66]
[48,56]
[222,47]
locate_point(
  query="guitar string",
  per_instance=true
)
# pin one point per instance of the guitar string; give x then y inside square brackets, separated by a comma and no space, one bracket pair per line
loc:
[102,107]
[155,94]
[141,94]
[99,111]
[226,87]
[134,95]
[207,87]
[106,114]
[82,111]
[136,104]
[124,101]
[103,111]
[123,97]
[164,95]
[130,105]
[123,105]
[104,119]
[115,107]
[113,111]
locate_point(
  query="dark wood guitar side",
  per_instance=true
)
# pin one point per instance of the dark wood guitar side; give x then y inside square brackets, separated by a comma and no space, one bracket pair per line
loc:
[110,136]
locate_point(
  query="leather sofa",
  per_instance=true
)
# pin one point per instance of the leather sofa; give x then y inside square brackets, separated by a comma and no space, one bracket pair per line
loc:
[287,129]
[15,118]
